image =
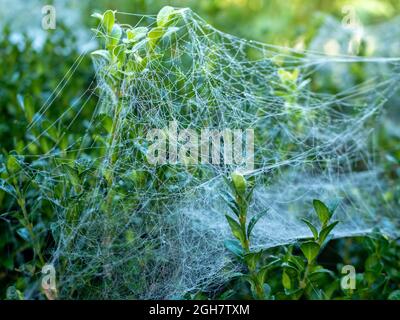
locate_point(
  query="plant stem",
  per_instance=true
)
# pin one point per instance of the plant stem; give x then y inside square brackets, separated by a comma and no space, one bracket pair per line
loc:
[28,225]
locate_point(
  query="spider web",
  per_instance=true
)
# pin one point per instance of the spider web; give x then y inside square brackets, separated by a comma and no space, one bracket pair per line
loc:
[129,229]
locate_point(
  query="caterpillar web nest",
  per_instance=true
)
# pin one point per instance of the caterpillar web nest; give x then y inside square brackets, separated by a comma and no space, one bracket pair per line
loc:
[128,229]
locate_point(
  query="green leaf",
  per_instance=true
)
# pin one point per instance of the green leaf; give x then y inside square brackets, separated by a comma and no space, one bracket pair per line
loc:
[310,250]
[97,16]
[119,52]
[136,34]
[164,16]
[115,36]
[322,271]
[225,295]
[252,259]
[373,264]
[267,290]
[250,280]
[239,182]
[12,165]
[72,175]
[290,266]
[99,34]
[24,234]
[253,222]
[250,194]
[229,184]
[104,121]
[6,187]
[231,203]
[103,54]
[322,211]
[263,270]
[297,262]
[27,106]
[395,295]
[235,227]
[234,247]
[170,31]
[236,275]
[137,177]
[154,35]
[108,20]
[312,228]
[326,231]
[287,76]
[286,281]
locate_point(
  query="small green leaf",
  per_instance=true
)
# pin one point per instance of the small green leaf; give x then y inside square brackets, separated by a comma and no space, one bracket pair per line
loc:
[97,16]
[231,203]
[154,35]
[286,281]
[72,176]
[312,228]
[115,36]
[225,295]
[102,53]
[267,290]
[252,259]
[288,76]
[235,227]
[262,273]
[108,20]
[24,234]
[373,264]
[322,211]
[6,187]
[136,34]
[27,106]
[326,231]
[164,16]
[12,165]
[170,31]
[310,250]
[297,262]
[99,34]
[119,52]
[290,266]
[239,182]
[234,247]
[230,185]
[250,194]
[253,222]
[250,280]
[322,271]
[137,177]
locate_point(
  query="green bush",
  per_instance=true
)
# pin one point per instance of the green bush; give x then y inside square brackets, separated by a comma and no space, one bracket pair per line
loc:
[28,77]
